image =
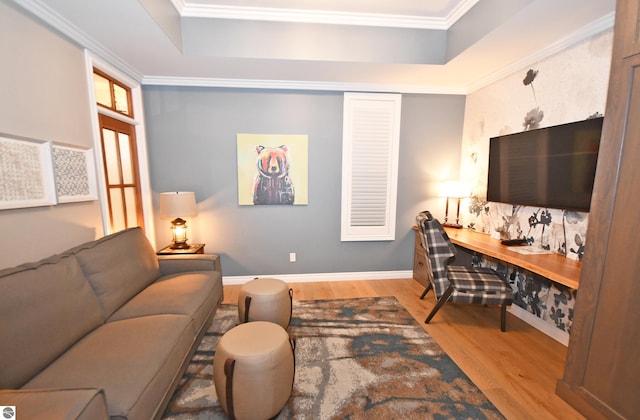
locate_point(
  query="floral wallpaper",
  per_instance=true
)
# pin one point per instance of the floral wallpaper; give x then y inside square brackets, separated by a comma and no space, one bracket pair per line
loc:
[551,302]
[568,86]
[560,231]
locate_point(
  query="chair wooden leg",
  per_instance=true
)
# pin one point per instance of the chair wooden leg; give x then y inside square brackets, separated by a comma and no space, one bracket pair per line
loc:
[503,317]
[429,287]
[443,299]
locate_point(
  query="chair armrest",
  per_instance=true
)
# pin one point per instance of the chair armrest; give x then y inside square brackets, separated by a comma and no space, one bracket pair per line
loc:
[172,264]
[58,403]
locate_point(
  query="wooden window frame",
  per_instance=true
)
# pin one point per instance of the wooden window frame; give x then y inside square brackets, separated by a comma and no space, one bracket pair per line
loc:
[109,123]
[112,82]
[131,81]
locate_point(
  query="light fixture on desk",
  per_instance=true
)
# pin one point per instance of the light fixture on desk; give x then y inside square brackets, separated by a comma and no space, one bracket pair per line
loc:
[457,190]
[178,205]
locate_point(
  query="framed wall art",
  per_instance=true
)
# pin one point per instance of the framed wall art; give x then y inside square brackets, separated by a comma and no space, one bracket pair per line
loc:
[75,177]
[26,173]
[272,169]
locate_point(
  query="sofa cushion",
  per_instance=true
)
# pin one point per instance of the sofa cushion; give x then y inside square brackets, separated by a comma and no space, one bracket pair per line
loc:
[195,294]
[118,266]
[46,404]
[135,361]
[45,307]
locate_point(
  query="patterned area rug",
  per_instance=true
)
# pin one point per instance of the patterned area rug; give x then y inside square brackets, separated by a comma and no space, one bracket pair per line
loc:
[355,358]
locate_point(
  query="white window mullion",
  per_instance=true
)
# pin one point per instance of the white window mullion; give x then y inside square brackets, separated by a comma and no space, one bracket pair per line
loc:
[371,137]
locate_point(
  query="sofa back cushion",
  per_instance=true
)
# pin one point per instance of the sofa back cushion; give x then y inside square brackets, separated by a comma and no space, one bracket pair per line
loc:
[118,266]
[45,307]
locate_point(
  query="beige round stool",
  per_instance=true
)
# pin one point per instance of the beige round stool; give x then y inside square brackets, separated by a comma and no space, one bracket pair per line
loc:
[265,299]
[253,370]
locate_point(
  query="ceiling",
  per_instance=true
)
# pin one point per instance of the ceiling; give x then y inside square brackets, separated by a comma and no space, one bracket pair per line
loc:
[434,46]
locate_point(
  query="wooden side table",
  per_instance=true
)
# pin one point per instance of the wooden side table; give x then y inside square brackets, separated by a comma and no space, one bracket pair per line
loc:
[193,249]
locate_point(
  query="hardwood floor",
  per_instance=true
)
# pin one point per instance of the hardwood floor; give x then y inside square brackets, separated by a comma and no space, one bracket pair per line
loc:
[517,370]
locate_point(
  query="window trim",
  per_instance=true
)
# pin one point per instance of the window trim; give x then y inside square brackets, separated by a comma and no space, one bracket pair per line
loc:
[111,80]
[92,62]
[382,102]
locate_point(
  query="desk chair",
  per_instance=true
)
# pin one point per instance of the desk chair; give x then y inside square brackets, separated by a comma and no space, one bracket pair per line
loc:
[458,283]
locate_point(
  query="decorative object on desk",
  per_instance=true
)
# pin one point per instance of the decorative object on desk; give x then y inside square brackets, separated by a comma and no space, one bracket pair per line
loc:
[514,242]
[457,190]
[178,204]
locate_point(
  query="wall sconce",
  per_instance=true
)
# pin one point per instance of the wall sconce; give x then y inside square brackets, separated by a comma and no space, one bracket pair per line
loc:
[457,190]
[178,204]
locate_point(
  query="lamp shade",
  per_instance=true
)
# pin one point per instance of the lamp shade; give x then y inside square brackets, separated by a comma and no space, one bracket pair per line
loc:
[177,204]
[454,189]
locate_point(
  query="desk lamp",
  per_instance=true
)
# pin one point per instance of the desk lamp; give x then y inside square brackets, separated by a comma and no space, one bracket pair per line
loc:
[457,190]
[177,205]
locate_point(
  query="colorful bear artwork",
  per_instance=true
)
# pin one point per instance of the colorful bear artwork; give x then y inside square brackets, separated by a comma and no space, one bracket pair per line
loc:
[273,184]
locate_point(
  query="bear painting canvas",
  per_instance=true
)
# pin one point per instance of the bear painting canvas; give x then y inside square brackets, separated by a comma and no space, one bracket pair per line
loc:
[272,169]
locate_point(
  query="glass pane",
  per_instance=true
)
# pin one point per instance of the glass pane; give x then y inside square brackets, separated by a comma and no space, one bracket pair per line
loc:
[102,90]
[131,208]
[122,103]
[117,209]
[111,156]
[125,159]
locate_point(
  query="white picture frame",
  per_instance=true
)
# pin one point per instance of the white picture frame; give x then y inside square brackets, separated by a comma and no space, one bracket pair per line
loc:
[26,173]
[75,175]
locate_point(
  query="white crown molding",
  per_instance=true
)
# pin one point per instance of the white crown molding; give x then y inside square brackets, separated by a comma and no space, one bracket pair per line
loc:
[460,10]
[314,277]
[324,17]
[300,85]
[603,24]
[53,19]
[50,17]
[310,16]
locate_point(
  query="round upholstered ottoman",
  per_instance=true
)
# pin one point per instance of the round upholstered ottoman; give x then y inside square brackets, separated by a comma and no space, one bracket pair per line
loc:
[265,299]
[253,370]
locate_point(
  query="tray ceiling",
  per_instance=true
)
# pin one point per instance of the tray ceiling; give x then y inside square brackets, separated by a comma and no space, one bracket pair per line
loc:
[436,46]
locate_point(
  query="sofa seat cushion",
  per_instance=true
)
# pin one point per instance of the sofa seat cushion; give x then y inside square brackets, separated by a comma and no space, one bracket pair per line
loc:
[118,266]
[45,308]
[194,294]
[135,361]
[46,404]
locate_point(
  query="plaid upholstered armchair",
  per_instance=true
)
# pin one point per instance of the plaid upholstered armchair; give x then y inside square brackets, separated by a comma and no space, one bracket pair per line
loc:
[458,283]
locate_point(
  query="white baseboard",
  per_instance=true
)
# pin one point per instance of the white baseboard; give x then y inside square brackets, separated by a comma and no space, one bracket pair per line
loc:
[313,277]
[558,335]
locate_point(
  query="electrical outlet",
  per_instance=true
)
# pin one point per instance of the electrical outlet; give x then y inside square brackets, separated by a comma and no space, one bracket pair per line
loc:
[292,257]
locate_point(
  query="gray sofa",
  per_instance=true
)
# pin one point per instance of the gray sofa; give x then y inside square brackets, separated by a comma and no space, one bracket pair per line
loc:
[105,329]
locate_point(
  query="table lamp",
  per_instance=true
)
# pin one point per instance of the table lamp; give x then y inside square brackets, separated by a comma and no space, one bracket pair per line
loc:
[177,205]
[457,190]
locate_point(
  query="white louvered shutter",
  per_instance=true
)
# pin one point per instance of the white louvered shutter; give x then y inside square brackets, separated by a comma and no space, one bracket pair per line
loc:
[371,137]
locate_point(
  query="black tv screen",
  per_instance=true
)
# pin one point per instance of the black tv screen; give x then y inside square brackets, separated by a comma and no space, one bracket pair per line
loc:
[551,167]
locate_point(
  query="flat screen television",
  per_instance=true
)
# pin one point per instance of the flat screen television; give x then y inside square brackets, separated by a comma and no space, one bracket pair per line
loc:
[551,167]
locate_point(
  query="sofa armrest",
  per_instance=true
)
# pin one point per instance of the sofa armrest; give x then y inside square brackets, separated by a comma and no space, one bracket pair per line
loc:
[172,264]
[81,404]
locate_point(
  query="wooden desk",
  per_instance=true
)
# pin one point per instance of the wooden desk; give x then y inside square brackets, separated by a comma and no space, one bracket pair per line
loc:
[555,267]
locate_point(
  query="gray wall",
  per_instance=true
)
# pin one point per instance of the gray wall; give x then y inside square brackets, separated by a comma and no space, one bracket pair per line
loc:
[44,96]
[191,134]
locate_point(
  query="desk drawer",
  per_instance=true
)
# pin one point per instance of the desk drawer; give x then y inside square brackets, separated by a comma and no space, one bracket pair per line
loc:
[420,266]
